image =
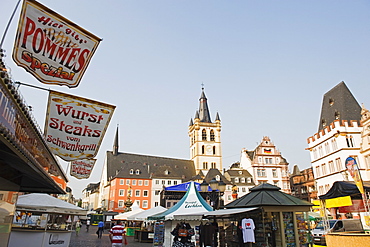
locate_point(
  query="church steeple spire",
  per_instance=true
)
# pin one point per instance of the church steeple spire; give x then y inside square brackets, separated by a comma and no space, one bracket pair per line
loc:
[204,115]
[115,144]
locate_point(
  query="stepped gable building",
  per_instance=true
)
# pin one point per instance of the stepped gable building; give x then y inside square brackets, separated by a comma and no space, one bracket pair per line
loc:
[266,164]
[205,139]
[302,184]
[339,104]
[339,137]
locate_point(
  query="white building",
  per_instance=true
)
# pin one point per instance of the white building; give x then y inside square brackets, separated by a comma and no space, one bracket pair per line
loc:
[266,164]
[338,137]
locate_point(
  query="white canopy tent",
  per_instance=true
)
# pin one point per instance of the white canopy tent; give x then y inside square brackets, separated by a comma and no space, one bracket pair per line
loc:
[134,210]
[142,216]
[38,202]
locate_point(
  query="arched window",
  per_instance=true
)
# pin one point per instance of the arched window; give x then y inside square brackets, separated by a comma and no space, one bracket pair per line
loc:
[212,135]
[137,172]
[204,135]
[132,171]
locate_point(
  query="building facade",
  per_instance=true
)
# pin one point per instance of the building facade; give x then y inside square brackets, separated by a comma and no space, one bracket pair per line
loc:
[266,164]
[303,185]
[205,139]
[338,137]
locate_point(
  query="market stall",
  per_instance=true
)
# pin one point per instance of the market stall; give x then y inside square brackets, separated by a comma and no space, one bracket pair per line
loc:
[131,225]
[43,220]
[146,233]
[344,200]
[177,225]
[280,220]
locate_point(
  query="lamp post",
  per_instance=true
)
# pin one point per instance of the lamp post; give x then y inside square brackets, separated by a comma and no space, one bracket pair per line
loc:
[218,189]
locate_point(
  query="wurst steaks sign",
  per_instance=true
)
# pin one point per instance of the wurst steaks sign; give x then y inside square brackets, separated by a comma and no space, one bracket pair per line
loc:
[75,126]
[52,48]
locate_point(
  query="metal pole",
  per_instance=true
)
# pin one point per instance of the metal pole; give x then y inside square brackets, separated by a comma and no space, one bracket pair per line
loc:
[7,26]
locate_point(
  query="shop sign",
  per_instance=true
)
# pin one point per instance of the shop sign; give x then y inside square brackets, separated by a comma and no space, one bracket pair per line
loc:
[81,169]
[21,133]
[52,48]
[75,126]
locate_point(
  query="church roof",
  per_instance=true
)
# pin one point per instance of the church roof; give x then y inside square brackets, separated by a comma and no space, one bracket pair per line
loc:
[339,104]
[204,115]
[266,195]
[128,165]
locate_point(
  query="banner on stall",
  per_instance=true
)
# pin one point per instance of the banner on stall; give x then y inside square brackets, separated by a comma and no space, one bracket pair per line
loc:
[81,169]
[75,126]
[338,202]
[52,48]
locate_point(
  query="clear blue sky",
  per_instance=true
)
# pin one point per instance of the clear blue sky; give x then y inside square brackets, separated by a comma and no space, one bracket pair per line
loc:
[265,66]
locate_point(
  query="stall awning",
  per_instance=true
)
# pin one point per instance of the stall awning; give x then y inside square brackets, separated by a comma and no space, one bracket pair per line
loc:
[345,188]
[225,213]
[44,203]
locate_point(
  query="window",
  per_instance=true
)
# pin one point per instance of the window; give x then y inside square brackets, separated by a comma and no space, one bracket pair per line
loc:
[205,165]
[134,182]
[212,135]
[327,148]
[261,172]
[323,167]
[140,182]
[174,182]
[317,169]
[146,183]
[314,153]
[127,182]
[120,204]
[156,181]
[169,182]
[229,198]
[349,140]
[137,193]
[204,135]
[218,177]
[331,166]
[274,173]
[121,192]
[203,149]
[242,180]
[249,180]
[131,171]
[213,165]
[137,172]
[168,204]
[320,151]
[157,192]
[156,204]
[268,160]
[145,204]
[214,149]
[334,145]
[244,190]
[121,181]
[145,193]
[137,202]
[338,164]
[236,180]
[163,182]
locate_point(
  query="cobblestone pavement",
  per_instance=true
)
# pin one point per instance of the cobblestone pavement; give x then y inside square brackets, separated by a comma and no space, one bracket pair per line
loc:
[90,239]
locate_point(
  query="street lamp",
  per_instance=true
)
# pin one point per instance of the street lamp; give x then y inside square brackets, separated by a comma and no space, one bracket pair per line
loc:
[218,189]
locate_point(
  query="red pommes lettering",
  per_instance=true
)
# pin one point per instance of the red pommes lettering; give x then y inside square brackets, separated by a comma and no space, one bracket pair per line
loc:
[73,58]
[74,130]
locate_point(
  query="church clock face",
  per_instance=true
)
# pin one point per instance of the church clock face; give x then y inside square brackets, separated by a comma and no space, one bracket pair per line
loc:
[209,149]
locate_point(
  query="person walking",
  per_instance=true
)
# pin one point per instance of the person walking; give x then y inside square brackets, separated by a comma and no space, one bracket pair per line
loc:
[100,228]
[87,225]
[117,235]
[78,227]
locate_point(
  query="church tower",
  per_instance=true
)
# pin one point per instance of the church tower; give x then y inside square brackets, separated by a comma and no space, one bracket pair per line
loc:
[205,139]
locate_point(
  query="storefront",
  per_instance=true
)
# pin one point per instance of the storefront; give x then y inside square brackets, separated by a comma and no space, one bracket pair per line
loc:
[279,219]
[26,163]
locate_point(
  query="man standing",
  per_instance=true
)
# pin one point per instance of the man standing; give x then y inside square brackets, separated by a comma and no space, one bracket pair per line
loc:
[100,228]
[87,225]
[117,235]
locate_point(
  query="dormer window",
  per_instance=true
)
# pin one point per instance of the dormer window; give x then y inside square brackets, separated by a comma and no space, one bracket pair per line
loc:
[166,172]
[137,172]
[236,180]
[242,180]
[131,171]
[218,177]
